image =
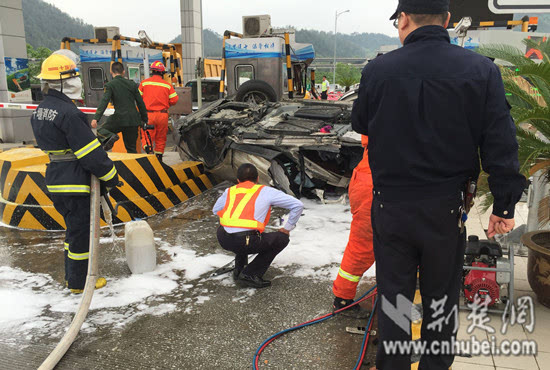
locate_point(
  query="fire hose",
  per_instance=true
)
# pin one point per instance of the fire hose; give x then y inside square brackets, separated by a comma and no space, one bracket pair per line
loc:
[59,351]
[367,295]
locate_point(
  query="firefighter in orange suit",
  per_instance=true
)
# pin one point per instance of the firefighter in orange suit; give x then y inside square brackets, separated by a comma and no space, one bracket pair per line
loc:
[158,96]
[359,255]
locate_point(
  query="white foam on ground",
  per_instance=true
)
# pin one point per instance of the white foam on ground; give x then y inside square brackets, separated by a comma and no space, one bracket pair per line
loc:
[318,241]
[35,305]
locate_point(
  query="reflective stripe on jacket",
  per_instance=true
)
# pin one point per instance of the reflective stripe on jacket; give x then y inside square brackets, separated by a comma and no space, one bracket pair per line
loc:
[240,208]
[157,94]
[60,129]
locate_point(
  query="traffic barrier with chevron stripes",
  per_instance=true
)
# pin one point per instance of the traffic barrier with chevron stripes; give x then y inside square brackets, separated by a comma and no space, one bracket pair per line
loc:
[150,187]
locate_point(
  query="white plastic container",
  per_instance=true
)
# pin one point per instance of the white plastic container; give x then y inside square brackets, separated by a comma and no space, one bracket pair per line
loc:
[141,255]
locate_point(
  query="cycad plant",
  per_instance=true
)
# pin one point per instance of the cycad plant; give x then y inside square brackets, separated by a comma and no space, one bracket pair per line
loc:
[527,85]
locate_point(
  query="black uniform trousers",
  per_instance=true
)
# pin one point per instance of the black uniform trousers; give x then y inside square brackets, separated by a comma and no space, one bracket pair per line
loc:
[129,134]
[423,235]
[76,213]
[266,245]
[324,95]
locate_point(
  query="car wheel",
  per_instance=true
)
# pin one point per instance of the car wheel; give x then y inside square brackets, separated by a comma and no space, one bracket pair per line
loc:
[256,92]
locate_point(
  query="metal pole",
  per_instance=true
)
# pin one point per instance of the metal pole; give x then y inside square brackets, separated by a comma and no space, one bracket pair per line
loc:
[335,33]
[334,59]
[69,337]
[145,63]
[199,83]
[536,194]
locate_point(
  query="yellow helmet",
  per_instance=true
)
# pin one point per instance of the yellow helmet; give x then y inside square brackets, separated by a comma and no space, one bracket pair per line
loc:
[58,67]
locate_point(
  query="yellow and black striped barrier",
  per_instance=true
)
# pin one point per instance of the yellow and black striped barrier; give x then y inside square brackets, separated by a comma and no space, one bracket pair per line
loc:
[149,187]
[527,24]
[289,66]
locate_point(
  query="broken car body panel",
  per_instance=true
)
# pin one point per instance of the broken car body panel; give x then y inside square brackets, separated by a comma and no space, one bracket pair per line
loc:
[298,146]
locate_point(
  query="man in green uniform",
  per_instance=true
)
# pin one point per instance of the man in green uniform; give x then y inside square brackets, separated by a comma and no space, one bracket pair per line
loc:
[125,96]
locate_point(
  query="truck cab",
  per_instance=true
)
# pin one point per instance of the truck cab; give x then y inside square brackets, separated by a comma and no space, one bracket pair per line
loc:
[258,59]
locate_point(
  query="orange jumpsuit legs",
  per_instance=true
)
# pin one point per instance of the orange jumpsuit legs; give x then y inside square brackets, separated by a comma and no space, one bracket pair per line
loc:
[158,134]
[359,255]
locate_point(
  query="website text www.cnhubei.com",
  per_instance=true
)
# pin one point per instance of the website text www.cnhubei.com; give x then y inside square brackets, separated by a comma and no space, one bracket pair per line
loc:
[472,346]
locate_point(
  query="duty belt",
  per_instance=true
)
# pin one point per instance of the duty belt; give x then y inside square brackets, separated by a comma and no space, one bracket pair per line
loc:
[69,157]
[158,111]
[244,233]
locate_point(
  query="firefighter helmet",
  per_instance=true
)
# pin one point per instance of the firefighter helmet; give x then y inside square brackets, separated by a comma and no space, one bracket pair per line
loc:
[58,67]
[158,67]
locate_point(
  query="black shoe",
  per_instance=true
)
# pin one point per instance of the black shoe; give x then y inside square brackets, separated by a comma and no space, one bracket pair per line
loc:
[356,312]
[110,142]
[236,274]
[252,281]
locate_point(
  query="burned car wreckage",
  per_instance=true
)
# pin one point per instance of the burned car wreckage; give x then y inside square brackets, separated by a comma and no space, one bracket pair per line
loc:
[302,147]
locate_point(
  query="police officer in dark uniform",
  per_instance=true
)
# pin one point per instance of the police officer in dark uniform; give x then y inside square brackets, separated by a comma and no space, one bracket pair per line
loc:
[429,108]
[62,131]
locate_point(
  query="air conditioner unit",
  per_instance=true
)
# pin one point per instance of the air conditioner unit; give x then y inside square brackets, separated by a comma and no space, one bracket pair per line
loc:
[104,33]
[256,25]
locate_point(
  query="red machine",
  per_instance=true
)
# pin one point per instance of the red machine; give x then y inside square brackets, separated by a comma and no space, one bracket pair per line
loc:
[486,271]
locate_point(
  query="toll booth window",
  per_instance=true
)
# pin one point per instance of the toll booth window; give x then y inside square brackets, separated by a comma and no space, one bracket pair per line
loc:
[97,78]
[243,73]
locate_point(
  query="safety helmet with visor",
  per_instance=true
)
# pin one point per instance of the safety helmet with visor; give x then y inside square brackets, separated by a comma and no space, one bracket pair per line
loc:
[58,72]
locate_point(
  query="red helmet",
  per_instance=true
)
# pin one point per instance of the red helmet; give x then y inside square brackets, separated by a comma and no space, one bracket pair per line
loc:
[158,67]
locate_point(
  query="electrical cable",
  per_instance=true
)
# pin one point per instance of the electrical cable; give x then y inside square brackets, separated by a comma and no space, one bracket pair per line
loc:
[365,296]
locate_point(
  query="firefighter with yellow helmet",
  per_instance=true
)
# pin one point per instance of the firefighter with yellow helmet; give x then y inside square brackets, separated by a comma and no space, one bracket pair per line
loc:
[63,132]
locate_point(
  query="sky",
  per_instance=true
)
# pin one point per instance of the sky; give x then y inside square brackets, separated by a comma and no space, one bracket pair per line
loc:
[162,21]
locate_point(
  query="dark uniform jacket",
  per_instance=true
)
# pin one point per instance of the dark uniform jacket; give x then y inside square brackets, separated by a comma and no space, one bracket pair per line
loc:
[429,108]
[60,128]
[125,96]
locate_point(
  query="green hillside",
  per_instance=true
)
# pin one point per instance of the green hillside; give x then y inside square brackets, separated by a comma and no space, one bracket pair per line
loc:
[360,45]
[46,25]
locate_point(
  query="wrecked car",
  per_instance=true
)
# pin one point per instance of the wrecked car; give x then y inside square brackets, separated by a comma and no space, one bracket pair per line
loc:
[303,147]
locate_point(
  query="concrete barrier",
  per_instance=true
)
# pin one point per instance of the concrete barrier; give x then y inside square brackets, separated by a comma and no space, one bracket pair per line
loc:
[149,187]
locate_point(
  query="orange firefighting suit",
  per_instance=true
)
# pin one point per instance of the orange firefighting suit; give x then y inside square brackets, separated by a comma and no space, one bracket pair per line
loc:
[158,96]
[359,255]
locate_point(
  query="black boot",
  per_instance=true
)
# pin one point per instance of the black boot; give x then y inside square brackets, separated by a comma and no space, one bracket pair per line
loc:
[356,311]
[252,281]
[110,142]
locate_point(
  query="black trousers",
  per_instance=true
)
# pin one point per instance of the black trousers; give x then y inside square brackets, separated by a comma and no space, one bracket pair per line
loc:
[266,245]
[423,235]
[76,213]
[129,134]
[324,95]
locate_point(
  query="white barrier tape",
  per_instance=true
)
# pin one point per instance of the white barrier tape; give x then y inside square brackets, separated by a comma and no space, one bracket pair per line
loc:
[33,107]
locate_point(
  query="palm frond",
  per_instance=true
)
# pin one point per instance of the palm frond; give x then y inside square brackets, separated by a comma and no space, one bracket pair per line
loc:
[540,71]
[541,90]
[514,91]
[539,113]
[531,149]
[508,53]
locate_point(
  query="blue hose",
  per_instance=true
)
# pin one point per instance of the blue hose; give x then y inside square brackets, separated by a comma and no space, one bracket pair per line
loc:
[316,321]
[367,330]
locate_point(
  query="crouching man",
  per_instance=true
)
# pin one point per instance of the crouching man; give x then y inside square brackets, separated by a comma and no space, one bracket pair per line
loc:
[244,211]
